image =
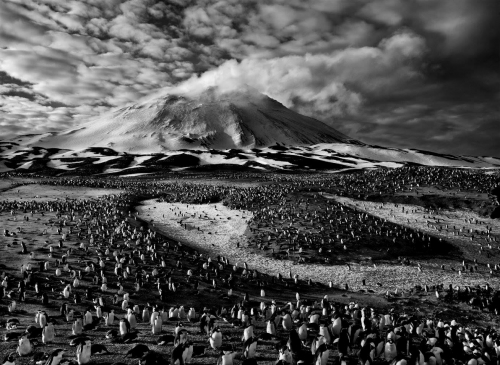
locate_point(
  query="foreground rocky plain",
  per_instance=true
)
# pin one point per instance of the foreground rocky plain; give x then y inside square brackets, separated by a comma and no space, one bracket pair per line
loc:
[413,242]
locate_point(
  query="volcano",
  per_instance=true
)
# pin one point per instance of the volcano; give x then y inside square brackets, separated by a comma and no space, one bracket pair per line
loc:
[238,129]
[211,120]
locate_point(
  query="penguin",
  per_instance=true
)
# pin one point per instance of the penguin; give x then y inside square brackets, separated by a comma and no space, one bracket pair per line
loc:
[177,356]
[165,339]
[63,310]
[287,322]
[10,336]
[187,354]
[336,326]
[191,316]
[226,357]
[321,355]
[326,333]
[178,327]
[98,349]
[250,347]
[390,350]
[109,318]
[112,334]
[247,333]
[302,331]
[87,318]
[33,331]
[365,354]
[206,323]
[70,315]
[41,318]
[12,323]
[77,327]
[284,356]
[146,317]
[77,341]
[24,348]
[9,359]
[271,327]
[132,319]
[216,338]
[157,324]
[294,342]
[55,357]
[124,326]
[180,337]
[344,342]
[48,333]
[137,351]
[84,352]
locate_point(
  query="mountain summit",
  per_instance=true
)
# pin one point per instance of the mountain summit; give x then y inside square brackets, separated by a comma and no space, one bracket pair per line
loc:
[210,120]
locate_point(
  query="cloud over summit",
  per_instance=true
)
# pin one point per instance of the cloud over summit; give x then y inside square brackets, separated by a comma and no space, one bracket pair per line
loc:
[389,71]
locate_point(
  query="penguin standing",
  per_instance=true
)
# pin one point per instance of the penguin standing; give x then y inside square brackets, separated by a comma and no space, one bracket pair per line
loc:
[344,342]
[191,316]
[24,348]
[250,347]
[41,318]
[188,352]
[63,310]
[178,327]
[77,327]
[247,333]
[321,355]
[55,357]
[336,326]
[48,333]
[365,355]
[84,352]
[226,357]
[132,319]
[109,318]
[87,319]
[302,330]
[326,333]
[271,327]
[180,337]
[390,350]
[124,326]
[177,358]
[157,324]
[294,342]
[216,338]
[70,315]
[287,322]
[145,315]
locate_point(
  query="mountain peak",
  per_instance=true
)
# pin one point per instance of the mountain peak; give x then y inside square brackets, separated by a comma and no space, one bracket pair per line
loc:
[213,118]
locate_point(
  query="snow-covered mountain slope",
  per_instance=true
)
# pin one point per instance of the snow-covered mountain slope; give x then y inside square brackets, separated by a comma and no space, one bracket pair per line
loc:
[328,157]
[236,119]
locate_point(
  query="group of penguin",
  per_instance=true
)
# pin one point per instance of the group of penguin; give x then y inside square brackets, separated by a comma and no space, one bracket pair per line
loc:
[301,332]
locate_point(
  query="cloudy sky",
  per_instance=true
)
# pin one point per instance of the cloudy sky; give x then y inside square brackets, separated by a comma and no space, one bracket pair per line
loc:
[403,73]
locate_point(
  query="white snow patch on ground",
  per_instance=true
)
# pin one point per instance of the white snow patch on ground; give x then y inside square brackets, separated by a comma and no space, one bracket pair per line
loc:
[219,235]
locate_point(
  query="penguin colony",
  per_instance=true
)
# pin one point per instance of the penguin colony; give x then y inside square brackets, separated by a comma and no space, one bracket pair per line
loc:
[102,281]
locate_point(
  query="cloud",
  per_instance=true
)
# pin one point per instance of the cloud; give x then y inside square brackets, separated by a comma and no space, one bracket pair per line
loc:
[321,84]
[387,71]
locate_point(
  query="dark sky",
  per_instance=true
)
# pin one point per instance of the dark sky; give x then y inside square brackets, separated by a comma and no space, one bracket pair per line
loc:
[404,73]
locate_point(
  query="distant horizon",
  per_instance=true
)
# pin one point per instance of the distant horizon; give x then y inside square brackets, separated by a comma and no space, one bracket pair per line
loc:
[420,75]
